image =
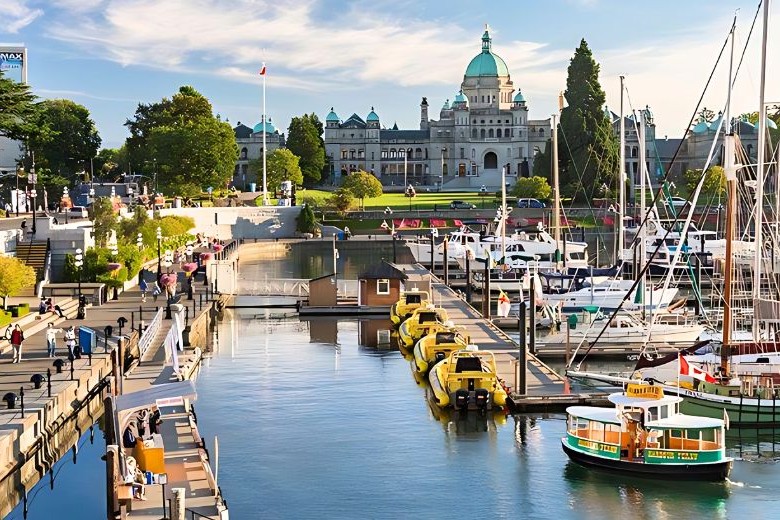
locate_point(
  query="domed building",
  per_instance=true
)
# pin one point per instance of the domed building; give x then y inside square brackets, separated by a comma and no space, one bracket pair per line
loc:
[483,131]
[250,147]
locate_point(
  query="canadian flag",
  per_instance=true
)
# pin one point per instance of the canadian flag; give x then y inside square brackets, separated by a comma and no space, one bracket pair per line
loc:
[262,70]
[688,370]
[504,305]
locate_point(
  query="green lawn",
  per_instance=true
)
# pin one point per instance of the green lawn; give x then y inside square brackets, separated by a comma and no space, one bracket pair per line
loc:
[398,201]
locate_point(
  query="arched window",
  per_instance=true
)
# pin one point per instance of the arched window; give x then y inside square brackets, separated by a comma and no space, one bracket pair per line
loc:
[392,153]
[498,133]
[490,161]
[474,133]
[243,153]
[490,133]
[418,153]
[402,153]
[541,131]
[482,133]
[634,151]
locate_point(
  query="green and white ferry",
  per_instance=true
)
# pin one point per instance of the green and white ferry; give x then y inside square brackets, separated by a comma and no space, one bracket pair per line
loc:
[646,435]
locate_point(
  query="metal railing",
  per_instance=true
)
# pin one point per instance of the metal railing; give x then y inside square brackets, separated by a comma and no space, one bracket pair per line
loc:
[149,334]
[293,287]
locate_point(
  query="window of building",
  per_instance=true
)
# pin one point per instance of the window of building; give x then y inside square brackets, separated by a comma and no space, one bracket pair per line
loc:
[473,153]
[343,154]
[507,121]
[383,286]
[521,152]
[494,98]
[418,153]
[483,99]
[244,169]
[384,154]
[482,121]
[401,153]
[474,133]
[509,152]
[490,133]
[392,153]
[426,153]
[372,156]
[482,133]
[243,153]
[361,154]
[491,121]
[352,154]
[541,131]
[498,133]
[462,153]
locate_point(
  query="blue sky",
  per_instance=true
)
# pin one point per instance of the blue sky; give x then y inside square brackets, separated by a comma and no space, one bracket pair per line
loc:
[109,55]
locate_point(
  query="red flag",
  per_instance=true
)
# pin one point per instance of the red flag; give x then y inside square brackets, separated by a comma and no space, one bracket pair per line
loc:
[262,71]
[457,223]
[688,370]
[438,222]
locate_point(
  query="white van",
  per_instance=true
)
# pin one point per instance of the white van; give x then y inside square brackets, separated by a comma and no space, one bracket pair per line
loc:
[78,212]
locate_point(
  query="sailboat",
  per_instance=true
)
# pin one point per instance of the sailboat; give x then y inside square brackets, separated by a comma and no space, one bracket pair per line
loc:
[741,379]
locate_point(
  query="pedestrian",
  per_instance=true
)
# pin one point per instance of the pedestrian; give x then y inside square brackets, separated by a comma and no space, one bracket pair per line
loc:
[156,291]
[154,421]
[70,342]
[42,306]
[59,312]
[144,287]
[51,338]
[17,337]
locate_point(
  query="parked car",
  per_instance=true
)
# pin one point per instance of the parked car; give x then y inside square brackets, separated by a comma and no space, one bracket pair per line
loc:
[530,203]
[677,202]
[78,212]
[460,204]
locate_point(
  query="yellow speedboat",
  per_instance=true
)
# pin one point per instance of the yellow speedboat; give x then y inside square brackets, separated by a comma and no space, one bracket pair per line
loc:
[424,320]
[467,380]
[436,347]
[404,307]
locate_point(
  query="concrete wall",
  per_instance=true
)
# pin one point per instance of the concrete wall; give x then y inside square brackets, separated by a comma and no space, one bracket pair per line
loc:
[241,222]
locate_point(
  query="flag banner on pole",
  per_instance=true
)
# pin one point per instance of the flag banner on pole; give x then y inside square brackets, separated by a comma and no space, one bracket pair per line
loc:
[262,70]
[503,305]
[688,370]
[384,225]
[457,223]
[438,222]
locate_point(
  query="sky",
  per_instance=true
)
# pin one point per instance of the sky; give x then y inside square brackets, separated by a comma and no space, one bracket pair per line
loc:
[110,55]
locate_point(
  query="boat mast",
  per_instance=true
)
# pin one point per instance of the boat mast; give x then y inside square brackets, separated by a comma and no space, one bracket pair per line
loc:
[621,177]
[731,207]
[556,193]
[503,216]
[642,229]
[760,176]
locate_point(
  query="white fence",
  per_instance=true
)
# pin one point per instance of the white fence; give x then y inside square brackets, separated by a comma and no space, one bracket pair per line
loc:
[149,334]
[292,287]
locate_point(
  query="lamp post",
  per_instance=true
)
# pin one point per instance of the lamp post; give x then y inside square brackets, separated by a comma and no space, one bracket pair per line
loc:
[139,241]
[159,257]
[79,262]
[168,262]
[32,178]
[65,195]
[115,255]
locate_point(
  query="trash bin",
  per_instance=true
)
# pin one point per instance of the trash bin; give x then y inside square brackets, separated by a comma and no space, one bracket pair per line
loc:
[572,321]
[252,187]
[87,340]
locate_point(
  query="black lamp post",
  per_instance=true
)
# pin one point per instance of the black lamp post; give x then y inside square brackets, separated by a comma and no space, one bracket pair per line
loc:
[79,262]
[65,196]
[159,254]
[115,254]
[33,193]
[168,296]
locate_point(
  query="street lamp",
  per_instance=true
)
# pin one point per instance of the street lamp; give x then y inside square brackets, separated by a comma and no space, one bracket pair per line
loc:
[32,178]
[167,262]
[115,254]
[79,262]
[189,251]
[65,195]
[159,256]
[139,241]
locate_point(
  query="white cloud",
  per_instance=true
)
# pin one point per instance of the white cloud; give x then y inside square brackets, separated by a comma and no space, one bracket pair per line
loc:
[18,15]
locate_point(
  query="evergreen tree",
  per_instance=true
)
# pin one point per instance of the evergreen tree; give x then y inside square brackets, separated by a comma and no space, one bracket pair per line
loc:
[543,162]
[17,109]
[588,151]
[304,139]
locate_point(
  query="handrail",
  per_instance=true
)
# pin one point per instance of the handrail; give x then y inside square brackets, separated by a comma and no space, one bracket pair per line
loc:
[151,331]
[194,515]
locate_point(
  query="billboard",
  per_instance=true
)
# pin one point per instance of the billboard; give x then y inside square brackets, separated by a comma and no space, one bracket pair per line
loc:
[13,62]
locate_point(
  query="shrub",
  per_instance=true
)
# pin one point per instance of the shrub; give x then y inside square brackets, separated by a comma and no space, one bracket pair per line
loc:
[306,221]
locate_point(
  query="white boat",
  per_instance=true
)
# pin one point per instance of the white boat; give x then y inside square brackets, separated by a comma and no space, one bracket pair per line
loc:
[628,329]
[609,296]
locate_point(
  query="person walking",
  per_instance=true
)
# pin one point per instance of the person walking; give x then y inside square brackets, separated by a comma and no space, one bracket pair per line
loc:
[17,337]
[156,291]
[144,287]
[51,338]
[70,341]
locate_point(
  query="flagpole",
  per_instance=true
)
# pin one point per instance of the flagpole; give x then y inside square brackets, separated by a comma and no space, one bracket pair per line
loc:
[679,367]
[265,186]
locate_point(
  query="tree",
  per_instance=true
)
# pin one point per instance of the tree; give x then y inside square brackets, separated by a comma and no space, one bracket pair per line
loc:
[362,185]
[109,162]
[304,139]
[714,182]
[543,161]
[183,142]
[341,200]
[306,222]
[588,151]
[15,275]
[103,218]
[281,165]
[706,115]
[70,139]
[19,110]
[532,187]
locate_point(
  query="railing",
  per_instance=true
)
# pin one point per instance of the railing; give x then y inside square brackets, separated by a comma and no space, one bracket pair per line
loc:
[293,287]
[46,270]
[148,336]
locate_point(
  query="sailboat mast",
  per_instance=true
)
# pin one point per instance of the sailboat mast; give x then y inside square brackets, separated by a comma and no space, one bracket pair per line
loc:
[731,207]
[621,177]
[642,210]
[504,216]
[760,173]
[556,193]
[265,181]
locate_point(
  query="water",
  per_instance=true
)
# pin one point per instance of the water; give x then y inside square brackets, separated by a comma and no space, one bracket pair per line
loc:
[313,425]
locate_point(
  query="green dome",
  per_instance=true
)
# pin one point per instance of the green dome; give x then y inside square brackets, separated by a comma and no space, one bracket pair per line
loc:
[701,127]
[372,116]
[446,105]
[519,97]
[460,98]
[269,127]
[332,116]
[487,63]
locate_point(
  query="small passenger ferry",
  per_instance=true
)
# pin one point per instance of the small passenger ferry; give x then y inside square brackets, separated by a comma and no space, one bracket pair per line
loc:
[645,434]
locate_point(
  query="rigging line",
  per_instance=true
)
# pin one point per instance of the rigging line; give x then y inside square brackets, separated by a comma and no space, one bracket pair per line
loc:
[645,217]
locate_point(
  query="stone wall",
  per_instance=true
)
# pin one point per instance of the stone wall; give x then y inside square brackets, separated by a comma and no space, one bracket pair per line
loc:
[241,222]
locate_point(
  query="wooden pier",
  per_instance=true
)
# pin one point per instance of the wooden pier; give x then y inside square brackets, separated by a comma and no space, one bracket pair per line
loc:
[545,390]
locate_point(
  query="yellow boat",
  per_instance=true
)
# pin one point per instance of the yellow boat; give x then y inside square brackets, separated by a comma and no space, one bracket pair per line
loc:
[406,305]
[467,380]
[436,347]
[424,320]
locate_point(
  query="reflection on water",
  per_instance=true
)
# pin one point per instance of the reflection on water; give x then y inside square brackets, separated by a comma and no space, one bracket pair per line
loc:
[313,425]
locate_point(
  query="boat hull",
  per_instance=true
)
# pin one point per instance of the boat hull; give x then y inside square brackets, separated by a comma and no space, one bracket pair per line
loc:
[707,472]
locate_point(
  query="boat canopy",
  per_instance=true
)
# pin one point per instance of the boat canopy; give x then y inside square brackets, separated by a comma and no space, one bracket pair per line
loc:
[681,421]
[620,399]
[593,413]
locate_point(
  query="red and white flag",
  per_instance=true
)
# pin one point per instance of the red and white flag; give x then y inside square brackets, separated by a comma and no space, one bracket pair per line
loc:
[504,305]
[262,70]
[688,370]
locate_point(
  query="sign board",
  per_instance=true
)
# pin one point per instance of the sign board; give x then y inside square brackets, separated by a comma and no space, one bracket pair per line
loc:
[13,62]
[644,391]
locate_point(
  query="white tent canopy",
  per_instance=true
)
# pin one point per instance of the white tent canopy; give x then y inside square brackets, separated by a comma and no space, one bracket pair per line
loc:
[168,394]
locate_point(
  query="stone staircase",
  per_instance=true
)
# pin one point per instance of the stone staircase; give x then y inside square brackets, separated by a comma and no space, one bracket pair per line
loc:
[34,322]
[33,253]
